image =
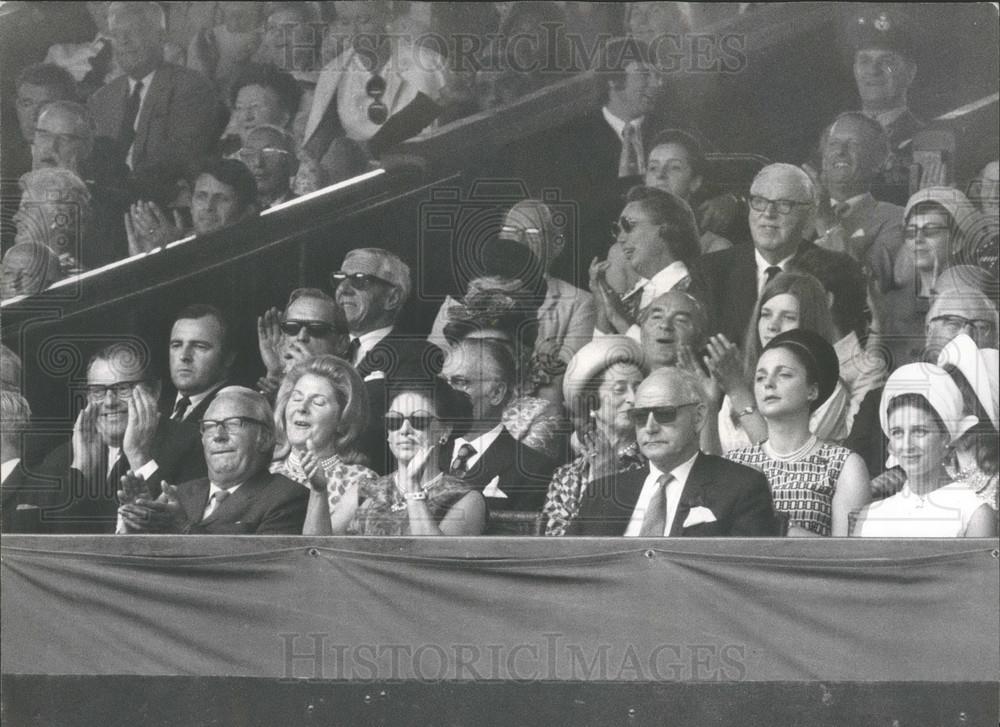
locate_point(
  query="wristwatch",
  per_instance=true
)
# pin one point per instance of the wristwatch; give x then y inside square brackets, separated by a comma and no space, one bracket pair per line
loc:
[421,495]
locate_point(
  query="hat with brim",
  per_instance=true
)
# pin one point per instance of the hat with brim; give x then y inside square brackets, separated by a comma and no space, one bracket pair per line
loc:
[979,367]
[937,387]
[594,359]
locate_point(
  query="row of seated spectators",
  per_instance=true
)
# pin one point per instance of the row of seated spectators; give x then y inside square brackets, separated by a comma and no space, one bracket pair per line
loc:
[704,384]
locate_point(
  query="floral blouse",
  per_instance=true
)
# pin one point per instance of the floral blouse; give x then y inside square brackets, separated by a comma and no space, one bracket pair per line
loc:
[384,512]
[340,476]
[569,483]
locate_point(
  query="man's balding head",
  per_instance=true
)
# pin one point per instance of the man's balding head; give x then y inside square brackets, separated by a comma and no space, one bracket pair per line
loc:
[777,234]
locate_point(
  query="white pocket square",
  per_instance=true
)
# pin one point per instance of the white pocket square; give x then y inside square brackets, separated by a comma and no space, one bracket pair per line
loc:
[26,506]
[858,233]
[492,489]
[698,516]
[375,376]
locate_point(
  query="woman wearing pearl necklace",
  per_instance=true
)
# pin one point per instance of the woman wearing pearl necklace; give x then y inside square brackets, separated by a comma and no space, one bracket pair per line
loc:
[818,484]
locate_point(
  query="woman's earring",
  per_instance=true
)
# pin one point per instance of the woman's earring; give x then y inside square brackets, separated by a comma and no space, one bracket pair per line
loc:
[443,439]
[593,414]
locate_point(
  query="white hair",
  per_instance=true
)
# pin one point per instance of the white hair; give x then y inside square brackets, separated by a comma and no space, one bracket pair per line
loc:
[151,11]
[790,170]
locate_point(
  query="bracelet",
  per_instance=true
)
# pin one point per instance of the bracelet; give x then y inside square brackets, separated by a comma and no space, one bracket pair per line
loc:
[746,412]
[416,495]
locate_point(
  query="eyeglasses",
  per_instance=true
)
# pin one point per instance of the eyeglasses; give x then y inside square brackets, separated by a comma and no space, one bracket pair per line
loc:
[463,383]
[315,329]
[623,225]
[783,206]
[661,414]
[378,112]
[232,425]
[122,390]
[361,281]
[910,232]
[421,420]
[256,156]
[954,325]
[42,135]
[511,232]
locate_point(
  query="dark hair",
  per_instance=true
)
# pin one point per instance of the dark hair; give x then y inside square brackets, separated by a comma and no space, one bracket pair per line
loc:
[917,401]
[269,76]
[987,439]
[618,53]
[51,76]
[841,275]
[870,125]
[693,147]
[816,355]
[234,174]
[202,310]
[450,406]
[678,227]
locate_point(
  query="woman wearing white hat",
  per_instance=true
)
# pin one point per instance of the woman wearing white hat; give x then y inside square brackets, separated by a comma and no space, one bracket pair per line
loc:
[922,414]
[599,389]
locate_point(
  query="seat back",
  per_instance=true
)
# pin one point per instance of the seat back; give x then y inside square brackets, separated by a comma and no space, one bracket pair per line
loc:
[514,522]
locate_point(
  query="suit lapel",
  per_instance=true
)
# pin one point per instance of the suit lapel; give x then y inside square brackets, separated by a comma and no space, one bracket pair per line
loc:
[234,505]
[157,90]
[194,499]
[493,462]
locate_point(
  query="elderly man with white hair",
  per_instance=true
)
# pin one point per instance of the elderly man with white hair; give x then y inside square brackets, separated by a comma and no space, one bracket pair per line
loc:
[24,496]
[783,203]
[156,111]
[239,496]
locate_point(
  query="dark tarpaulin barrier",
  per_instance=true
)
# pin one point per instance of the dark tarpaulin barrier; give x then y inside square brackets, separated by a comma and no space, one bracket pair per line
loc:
[497,609]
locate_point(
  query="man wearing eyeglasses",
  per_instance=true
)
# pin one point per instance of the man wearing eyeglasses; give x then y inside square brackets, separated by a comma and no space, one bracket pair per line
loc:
[239,496]
[782,212]
[118,431]
[269,153]
[682,491]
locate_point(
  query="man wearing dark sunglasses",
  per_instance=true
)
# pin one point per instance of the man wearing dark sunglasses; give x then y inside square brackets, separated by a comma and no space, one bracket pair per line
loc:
[269,153]
[371,288]
[682,491]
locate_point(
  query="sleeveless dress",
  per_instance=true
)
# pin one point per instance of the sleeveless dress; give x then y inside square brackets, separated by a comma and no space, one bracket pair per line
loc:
[804,487]
[383,511]
[943,513]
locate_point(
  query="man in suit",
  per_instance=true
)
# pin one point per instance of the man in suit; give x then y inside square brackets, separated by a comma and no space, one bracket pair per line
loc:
[511,475]
[24,498]
[118,431]
[682,491]
[849,219]
[156,111]
[728,282]
[239,496]
[201,357]
[371,289]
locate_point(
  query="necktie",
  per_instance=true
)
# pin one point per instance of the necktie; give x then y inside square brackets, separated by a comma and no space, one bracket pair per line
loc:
[118,471]
[654,522]
[770,272]
[630,162]
[353,349]
[127,133]
[460,465]
[217,498]
[840,210]
[180,409]
[632,301]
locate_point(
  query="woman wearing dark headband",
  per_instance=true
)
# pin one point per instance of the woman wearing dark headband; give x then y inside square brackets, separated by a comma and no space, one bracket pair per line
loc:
[320,412]
[418,498]
[818,484]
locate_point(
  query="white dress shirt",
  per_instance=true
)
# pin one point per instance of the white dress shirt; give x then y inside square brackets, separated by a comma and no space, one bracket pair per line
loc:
[7,467]
[675,488]
[480,444]
[368,341]
[195,400]
[143,92]
[763,265]
[652,288]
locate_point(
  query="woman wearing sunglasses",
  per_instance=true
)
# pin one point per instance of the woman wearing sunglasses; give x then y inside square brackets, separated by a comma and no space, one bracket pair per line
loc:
[320,412]
[418,498]
[816,483]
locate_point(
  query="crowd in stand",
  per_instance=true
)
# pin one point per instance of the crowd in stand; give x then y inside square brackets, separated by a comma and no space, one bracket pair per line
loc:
[828,368]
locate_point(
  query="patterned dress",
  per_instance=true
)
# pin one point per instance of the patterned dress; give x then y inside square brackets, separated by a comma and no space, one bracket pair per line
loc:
[340,476]
[803,487]
[569,483]
[384,510]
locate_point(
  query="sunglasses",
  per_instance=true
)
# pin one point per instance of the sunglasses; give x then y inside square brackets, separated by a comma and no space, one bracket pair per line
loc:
[378,112]
[315,329]
[661,414]
[623,226]
[421,420]
[361,281]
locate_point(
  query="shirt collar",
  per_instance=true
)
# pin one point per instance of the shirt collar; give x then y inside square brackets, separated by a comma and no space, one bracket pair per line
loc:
[619,124]
[7,467]
[213,488]
[669,276]
[368,341]
[196,399]
[146,80]
[481,443]
[763,264]
[680,472]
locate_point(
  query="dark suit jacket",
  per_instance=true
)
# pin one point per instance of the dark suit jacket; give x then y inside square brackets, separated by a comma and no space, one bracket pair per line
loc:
[194,415]
[180,116]
[24,500]
[524,473]
[726,284]
[738,496]
[82,506]
[395,358]
[266,504]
